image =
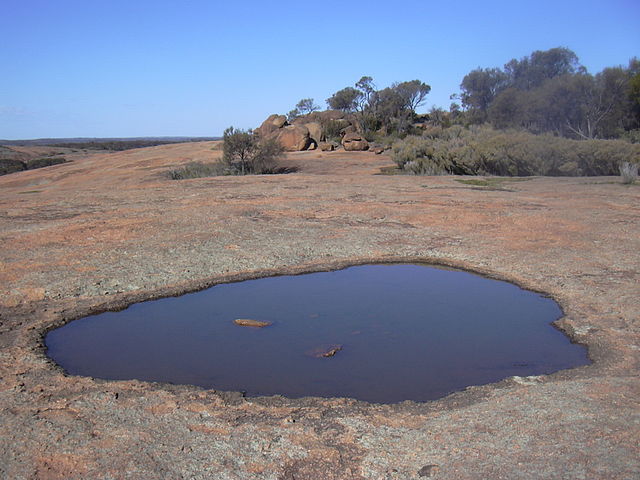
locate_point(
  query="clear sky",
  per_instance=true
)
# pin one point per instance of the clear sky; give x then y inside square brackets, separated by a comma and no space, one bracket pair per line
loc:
[112,68]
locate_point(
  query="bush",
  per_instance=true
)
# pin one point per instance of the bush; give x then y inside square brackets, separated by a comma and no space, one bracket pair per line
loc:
[44,162]
[199,170]
[244,153]
[484,151]
[332,129]
[9,165]
[628,172]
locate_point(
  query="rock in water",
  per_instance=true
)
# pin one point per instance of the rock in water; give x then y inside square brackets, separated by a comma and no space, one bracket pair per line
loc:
[248,322]
[331,352]
[325,351]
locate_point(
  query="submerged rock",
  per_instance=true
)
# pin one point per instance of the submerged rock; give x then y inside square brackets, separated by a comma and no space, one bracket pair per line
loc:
[249,322]
[325,351]
[331,352]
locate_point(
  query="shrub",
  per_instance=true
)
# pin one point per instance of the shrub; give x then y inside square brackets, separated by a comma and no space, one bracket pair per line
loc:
[332,129]
[245,153]
[484,151]
[9,165]
[628,172]
[44,162]
[199,170]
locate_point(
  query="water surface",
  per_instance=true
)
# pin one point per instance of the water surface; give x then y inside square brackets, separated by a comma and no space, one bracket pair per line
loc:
[408,332]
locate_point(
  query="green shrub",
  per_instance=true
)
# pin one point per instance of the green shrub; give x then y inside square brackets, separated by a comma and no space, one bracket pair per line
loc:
[484,151]
[245,153]
[199,170]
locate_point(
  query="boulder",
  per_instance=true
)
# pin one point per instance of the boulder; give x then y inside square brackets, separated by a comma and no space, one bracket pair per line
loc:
[271,124]
[378,150]
[327,146]
[315,131]
[354,142]
[293,138]
[349,129]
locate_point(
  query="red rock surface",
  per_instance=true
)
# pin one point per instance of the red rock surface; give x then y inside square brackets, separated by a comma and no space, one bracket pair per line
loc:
[110,229]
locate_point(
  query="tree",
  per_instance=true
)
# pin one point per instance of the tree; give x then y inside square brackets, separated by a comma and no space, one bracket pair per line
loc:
[244,153]
[345,100]
[237,148]
[439,117]
[549,91]
[542,65]
[366,88]
[412,94]
[634,99]
[293,114]
[508,109]
[391,108]
[387,107]
[306,106]
[479,88]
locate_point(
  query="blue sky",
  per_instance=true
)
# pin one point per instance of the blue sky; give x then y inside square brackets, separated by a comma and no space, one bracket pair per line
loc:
[111,68]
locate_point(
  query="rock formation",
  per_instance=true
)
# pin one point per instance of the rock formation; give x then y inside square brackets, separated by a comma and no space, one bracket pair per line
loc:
[294,138]
[353,142]
[310,131]
[271,124]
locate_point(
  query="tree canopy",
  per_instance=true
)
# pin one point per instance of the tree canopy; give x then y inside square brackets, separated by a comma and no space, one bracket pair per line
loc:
[550,91]
[390,109]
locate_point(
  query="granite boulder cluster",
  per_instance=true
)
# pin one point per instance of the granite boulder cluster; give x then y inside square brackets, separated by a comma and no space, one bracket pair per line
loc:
[315,130]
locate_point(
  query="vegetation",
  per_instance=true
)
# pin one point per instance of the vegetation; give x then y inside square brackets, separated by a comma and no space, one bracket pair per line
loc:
[198,170]
[303,107]
[10,165]
[628,172]
[550,92]
[482,150]
[120,145]
[389,110]
[244,153]
[491,183]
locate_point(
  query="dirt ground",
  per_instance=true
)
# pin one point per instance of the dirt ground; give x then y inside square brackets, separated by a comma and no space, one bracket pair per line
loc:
[110,229]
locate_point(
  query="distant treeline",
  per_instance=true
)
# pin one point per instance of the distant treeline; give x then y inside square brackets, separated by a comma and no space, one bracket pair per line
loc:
[113,144]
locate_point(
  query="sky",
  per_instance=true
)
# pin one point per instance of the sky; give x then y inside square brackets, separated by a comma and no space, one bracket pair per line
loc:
[112,68]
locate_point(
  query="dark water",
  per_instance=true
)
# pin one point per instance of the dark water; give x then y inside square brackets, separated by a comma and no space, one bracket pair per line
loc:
[408,332]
